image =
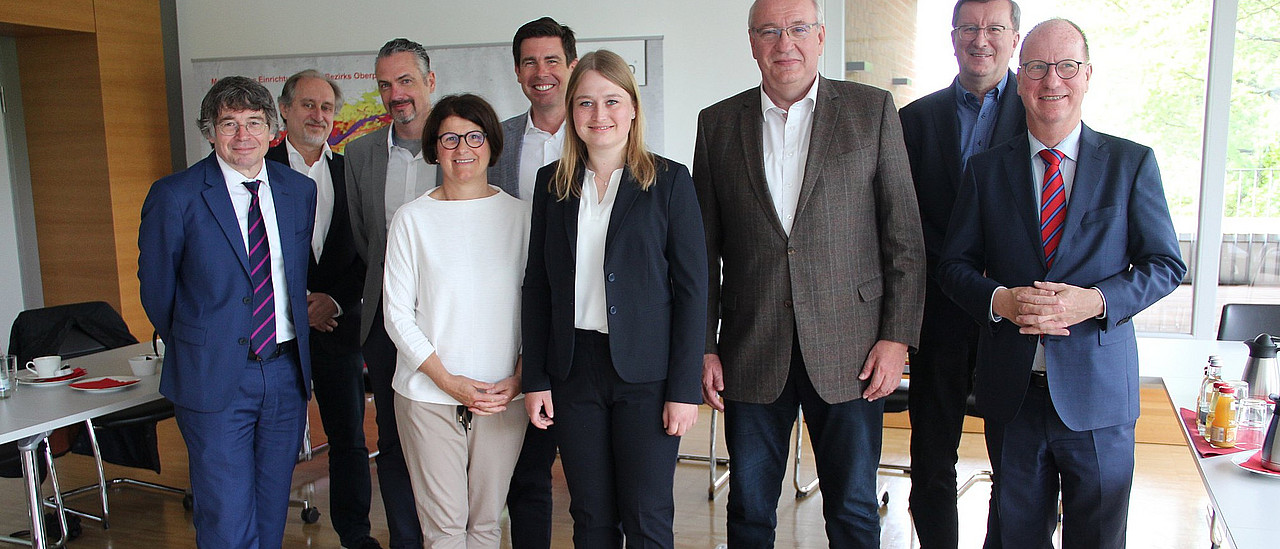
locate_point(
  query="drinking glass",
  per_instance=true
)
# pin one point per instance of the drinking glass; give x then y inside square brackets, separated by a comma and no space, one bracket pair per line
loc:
[8,375]
[1254,418]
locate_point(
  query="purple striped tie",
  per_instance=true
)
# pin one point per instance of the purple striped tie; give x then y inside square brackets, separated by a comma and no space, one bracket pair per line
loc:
[263,338]
[1053,203]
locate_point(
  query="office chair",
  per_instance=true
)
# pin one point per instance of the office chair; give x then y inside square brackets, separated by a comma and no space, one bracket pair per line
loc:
[1241,321]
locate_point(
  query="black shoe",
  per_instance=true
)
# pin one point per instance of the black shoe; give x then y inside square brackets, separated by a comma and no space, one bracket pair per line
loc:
[366,543]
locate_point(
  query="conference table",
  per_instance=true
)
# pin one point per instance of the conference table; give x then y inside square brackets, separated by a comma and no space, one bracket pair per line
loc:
[1243,503]
[33,412]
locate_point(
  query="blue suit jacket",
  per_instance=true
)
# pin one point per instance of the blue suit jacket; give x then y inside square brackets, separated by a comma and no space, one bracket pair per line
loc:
[1117,237]
[193,269]
[655,265]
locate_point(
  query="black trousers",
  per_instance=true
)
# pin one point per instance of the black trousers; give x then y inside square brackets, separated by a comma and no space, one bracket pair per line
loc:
[529,498]
[941,376]
[618,460]
[393,474]
[337,379]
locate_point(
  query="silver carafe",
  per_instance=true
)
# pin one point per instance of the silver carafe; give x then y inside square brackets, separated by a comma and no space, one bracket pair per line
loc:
[1270,454]
[1261,372]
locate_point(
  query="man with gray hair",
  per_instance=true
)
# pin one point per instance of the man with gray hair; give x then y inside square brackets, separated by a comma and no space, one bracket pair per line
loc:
[385,170]
[308,104]
[223,280]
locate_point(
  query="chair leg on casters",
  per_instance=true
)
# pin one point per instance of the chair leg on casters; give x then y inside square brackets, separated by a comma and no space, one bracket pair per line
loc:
[802,490]
[715,479]
[309,514]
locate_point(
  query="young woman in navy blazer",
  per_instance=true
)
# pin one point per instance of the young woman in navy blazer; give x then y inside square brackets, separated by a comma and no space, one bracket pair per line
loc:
[614,311]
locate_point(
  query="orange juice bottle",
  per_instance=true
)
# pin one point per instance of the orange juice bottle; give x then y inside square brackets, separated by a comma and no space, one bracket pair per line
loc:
[1222,432]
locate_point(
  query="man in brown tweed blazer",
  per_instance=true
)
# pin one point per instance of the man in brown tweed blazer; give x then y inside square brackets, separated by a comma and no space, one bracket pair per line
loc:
[817,274]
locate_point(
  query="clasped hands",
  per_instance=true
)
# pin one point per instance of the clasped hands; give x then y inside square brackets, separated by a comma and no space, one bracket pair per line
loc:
[1047,308]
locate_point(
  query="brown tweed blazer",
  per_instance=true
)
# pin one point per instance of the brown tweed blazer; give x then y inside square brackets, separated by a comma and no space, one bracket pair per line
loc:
[852,270]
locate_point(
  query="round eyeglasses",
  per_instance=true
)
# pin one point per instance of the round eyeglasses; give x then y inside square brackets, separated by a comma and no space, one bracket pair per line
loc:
[450,140]
[1067,69]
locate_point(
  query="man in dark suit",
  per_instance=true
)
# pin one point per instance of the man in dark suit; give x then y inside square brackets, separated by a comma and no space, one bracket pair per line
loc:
[308,102]
[385,170]
[1057,240]
[811,219]
[545,54]
[222,263]
[942,130]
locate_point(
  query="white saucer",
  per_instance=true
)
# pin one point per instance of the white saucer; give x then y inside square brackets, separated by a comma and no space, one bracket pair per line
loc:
[1242,457]
[30,378]
[129,381]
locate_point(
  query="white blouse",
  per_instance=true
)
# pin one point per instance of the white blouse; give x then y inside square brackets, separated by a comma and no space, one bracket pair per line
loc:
[590,308]
[452,287]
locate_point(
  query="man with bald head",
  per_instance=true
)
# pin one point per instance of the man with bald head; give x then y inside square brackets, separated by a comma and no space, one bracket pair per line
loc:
[1058,238]
[942,131]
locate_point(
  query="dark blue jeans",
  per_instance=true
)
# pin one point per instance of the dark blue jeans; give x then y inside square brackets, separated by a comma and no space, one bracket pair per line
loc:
[846,447]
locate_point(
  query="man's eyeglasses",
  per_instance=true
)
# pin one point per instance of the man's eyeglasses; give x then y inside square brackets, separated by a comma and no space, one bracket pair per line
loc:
[798,33]
[969,32]
[229,128]
[1067,69]
[450,140]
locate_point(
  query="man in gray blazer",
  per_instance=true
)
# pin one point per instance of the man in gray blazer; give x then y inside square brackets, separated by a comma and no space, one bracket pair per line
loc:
[811,220]
[385,170]
[545,54]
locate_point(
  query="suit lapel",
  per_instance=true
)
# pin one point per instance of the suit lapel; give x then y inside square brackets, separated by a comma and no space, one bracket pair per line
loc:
[1085,187]
[1018,177]
[752,123]
[947,123]
[379,194]
[628,191]
[826,112]
[218,199]
[286,217]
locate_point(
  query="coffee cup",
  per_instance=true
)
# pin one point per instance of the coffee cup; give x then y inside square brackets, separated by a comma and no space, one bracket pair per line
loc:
[144,365]
[45,366]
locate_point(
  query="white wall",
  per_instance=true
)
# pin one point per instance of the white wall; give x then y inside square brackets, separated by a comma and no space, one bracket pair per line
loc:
[706,54]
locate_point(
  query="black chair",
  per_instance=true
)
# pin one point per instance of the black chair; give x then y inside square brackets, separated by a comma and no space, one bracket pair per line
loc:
[1241,321]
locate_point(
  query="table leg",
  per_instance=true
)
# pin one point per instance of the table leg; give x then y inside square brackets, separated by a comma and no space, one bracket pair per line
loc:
[31,476]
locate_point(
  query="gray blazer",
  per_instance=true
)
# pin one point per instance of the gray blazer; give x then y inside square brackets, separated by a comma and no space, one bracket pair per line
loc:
[505,174]
[852,271]
[366,176]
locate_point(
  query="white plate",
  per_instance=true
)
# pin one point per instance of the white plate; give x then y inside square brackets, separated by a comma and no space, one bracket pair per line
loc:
[1246,456]
[131,380]
[29,378]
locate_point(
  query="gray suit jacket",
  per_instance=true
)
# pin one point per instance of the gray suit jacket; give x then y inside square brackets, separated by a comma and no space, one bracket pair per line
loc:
[366,176]
[852,271]
[506,173]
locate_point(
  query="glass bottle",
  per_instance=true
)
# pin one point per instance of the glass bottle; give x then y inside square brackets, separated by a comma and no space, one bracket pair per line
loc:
[1222,431]
[1204,402]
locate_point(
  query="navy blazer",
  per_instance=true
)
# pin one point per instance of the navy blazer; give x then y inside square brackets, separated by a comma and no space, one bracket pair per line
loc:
[338,271]
[193,270]
[1117,237]
[655,268]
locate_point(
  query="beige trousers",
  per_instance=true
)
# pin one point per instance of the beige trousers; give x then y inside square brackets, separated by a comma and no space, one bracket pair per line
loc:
[460,477]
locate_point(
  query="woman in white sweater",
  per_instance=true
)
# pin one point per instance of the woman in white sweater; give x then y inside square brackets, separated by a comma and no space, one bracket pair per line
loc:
[455,258]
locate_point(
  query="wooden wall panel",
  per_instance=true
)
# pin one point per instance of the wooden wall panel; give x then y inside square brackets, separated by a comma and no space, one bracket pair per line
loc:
[130,53]
[44,16]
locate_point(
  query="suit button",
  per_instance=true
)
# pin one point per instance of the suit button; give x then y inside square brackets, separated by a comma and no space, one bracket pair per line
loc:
[610,277]
[787,303]
[246,301]
[613,310]
[243,341]
[791,251]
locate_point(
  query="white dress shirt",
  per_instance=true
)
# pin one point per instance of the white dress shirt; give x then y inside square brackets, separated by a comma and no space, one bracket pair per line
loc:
[590,305]
[318,172]
[538,149]
[408,176]
[240,199]
[786,151]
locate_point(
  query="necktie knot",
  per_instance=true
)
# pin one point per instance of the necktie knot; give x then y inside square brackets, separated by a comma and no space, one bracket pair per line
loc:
[253,186]
[1052,157]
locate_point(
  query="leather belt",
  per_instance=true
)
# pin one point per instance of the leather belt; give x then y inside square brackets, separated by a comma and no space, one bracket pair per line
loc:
[286,348]
[1039,379]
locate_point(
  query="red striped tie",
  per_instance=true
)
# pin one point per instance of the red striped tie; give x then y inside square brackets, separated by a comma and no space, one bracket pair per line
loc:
[263,337]
[1053,203]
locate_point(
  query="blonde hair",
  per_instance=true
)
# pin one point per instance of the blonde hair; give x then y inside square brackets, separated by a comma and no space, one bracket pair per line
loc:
[567,180]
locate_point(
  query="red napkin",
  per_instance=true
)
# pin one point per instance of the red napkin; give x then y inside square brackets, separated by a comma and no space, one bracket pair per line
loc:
[74,374]
[105,383]
[1202,446]
[1254,463]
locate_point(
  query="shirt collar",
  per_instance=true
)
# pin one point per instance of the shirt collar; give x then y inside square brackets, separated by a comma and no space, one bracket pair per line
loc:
[391,140]
[530,129]
[234,178]
[811,96]
[963,96]
[325,151]
[1069,147]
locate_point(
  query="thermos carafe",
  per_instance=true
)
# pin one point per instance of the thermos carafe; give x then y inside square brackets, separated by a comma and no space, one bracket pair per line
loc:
[1270,454]
[1261,372]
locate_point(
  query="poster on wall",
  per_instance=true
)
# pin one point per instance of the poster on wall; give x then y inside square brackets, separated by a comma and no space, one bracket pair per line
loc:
[487,70]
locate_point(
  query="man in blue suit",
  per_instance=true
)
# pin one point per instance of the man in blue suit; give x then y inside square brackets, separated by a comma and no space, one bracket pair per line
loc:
[1057,240]
[223,251]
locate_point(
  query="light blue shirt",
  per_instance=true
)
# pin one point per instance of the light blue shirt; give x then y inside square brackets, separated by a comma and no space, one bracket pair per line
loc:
[977,118]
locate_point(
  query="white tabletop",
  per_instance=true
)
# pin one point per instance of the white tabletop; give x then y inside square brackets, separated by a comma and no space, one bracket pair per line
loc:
[1244,501]
[33,409]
